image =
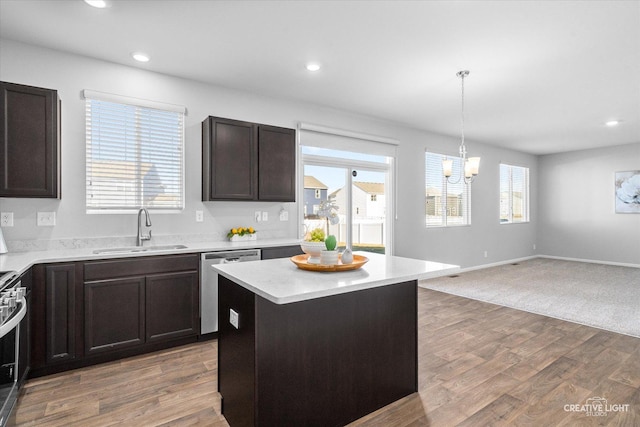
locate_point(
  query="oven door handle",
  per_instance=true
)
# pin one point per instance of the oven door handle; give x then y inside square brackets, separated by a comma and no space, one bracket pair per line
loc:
[14,319]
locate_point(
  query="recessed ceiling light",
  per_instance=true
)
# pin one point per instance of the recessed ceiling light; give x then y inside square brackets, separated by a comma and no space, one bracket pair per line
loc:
[140,57]
[612,123]
[100,4]
[313,66]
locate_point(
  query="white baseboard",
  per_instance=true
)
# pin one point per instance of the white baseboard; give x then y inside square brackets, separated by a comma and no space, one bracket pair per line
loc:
[619,264]
[511,261]
[496,264]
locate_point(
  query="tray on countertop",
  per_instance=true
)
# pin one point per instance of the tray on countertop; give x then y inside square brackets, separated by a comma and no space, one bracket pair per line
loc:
[301,262]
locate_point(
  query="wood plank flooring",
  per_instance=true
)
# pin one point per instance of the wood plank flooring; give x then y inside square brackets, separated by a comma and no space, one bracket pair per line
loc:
[479,364]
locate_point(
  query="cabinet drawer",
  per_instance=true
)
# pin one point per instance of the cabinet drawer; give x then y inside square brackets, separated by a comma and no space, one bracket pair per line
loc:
[138,266]
[281,252]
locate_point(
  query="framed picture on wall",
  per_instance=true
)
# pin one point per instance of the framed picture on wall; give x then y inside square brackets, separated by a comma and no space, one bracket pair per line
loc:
[628,192]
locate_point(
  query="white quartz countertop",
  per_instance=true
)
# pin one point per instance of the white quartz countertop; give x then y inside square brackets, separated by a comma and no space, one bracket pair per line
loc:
[281,282]
[22,261]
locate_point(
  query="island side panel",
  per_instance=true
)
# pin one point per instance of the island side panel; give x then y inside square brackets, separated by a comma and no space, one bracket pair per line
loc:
[332,360]
[236,353]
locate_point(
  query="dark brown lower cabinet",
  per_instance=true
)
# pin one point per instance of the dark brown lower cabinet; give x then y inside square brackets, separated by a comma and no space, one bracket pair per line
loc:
[114,314]
[55,324]
[172,302]
[281,252]
[95,311]
[157,304]
[321,362]
[61,312]
[24,356]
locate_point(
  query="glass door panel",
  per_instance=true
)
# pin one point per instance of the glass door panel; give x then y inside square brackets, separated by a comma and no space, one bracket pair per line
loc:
[369,210]
[322,184]
[349,198]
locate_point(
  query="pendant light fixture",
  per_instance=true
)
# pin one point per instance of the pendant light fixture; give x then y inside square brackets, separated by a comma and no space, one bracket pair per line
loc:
[470,165]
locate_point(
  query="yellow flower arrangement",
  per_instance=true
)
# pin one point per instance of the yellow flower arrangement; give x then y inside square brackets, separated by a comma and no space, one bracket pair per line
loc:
[240,231]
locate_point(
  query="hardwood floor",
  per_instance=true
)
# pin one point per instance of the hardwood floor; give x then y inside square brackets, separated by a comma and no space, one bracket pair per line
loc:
[479,364]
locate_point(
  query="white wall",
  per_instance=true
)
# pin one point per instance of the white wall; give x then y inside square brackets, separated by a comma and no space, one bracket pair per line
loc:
[70,74]
[463,245]
[576,206]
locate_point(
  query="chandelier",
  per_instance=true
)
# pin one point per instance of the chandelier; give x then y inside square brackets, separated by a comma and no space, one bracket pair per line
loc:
[471,165]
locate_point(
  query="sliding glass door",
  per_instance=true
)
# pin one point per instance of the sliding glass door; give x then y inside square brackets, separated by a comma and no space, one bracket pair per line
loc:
[346,194]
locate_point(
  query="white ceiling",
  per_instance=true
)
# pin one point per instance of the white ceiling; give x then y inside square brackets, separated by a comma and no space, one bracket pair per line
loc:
[545,75]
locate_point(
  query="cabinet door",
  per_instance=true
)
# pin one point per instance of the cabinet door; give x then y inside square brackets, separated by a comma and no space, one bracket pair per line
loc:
[281,252]
[60,312]
[276,164]
[29,141]
[229,164]
[172,302]
[114,314]
[24,357]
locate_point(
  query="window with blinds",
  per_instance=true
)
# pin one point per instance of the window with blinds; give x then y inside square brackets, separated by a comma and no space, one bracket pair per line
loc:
[134,154]
[514,194]
[447,204]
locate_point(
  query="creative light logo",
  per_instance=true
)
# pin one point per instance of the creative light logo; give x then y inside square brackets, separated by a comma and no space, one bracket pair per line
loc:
[596,407]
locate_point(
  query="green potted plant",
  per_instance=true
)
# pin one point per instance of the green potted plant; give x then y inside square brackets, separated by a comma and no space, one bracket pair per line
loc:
[330,255]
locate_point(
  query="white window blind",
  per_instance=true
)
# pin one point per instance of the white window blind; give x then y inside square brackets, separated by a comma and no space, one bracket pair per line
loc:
[134,154]
[446,204]
[514,194]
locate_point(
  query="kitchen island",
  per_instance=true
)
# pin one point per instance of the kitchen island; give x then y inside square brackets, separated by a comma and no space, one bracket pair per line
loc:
[311,348]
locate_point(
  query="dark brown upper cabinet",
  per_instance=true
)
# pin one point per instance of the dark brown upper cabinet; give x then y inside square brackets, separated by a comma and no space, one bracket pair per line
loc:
[29,141]
[247,161]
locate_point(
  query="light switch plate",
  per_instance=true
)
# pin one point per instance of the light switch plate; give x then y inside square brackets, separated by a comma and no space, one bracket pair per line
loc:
[265,216]
[234,318]
[257,216]
[6,219]
[284,215]
[46,219]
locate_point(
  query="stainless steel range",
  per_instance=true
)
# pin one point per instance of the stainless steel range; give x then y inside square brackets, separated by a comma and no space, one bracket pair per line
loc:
[13,309]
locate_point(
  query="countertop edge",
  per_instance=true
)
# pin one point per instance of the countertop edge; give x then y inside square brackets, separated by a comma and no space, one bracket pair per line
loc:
[22,261]
[442,271]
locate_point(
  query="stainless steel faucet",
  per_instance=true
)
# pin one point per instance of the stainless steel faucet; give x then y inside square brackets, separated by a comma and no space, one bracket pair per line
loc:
[142,237]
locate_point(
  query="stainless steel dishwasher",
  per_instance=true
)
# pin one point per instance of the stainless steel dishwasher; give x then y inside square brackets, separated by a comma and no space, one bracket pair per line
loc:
[209,283]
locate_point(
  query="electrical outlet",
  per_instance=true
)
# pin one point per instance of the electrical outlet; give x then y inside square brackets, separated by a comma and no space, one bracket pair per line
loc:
[534,246]
[265,216]
[46,219]
[234,318]
[6,219]
[257,215]
[199,216]
[284,215]
[486,254]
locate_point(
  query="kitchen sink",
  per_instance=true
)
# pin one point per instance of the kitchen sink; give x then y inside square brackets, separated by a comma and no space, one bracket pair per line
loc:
[135,249]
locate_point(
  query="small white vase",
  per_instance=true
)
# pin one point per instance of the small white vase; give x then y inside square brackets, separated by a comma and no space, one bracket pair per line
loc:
[328,257]
[347,256]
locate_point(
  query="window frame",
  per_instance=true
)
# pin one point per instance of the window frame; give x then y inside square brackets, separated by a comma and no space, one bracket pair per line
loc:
[526,214]
[139,105]
[466,197]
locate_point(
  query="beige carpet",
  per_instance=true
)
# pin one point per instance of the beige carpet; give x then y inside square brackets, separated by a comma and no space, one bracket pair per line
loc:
[603,296]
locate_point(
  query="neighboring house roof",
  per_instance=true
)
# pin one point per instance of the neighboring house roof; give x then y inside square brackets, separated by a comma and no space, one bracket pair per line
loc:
[432,191]
[313,182]
[436,192]
[124,170]
[370,187]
